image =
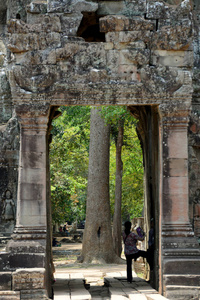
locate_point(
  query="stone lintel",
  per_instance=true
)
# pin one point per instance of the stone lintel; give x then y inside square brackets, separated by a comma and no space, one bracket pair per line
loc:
[101,94]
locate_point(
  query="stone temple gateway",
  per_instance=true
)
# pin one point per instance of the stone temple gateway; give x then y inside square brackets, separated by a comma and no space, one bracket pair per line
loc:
[140,53]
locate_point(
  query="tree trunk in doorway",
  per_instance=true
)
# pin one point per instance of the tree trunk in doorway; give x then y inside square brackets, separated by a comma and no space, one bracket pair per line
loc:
[117,224]
[97,239]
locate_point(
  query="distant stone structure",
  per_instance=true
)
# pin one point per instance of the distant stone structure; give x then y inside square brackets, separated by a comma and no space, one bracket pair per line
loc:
[140,53]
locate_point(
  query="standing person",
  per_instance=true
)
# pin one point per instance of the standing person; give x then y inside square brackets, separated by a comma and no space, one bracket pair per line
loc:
[131,252]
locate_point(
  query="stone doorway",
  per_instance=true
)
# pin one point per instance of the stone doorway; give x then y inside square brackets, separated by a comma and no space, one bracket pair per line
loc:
[148,131]
[142,65]
[34,145]
[65,237]
[169,223]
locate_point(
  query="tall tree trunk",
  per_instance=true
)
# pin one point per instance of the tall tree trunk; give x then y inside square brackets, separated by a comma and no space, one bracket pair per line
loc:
[97,239]
[117,224]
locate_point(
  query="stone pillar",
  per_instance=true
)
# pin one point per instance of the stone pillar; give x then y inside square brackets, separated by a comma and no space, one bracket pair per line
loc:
[179,248]
[175,210]
[31,216]
[27,251]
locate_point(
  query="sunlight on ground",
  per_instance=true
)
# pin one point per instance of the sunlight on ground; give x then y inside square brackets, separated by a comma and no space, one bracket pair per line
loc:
[66,257]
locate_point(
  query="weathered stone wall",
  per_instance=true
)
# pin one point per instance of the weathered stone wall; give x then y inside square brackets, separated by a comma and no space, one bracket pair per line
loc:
[139,53]
[52,63]
[194,133]
[9,147]
[9,136]
[16,9]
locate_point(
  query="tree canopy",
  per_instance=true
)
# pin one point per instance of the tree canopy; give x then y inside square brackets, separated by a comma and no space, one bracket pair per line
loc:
[69,164]
[132,182]
[69,155]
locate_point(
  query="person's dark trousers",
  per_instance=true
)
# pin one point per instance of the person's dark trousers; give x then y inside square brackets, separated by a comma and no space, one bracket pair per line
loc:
[129,259]
[150,257]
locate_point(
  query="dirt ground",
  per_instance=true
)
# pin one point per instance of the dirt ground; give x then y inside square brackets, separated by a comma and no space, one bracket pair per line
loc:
[65,256]
[67,253]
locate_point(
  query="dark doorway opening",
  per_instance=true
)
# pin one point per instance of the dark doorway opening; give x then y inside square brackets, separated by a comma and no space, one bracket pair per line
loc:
[89,28]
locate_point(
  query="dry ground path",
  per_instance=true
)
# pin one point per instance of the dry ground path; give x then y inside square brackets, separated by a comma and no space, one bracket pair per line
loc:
[74,281]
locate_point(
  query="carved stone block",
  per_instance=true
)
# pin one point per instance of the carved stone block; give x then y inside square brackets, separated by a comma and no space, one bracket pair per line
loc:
[25,279]
[122,23]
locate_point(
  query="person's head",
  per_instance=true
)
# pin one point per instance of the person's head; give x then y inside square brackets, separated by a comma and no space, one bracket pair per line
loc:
[127,226]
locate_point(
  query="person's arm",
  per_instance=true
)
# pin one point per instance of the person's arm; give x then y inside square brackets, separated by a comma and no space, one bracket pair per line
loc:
[137,237]
[124,236]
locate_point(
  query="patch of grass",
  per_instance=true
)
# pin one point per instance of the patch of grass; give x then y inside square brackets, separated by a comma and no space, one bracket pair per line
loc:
[141,275]
[64,257]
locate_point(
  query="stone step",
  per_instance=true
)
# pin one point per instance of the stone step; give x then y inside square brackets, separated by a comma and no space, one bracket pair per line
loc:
[118,297]
[116,292]
[75,286]
[137,296]
[61,288]
[9,295]
[80,294]
[61,294]
[146,290]
[155,297]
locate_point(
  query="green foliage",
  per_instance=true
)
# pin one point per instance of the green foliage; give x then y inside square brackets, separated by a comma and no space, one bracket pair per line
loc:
[69,164]
[69,155]
[133,173]
[113,114]
[132,180]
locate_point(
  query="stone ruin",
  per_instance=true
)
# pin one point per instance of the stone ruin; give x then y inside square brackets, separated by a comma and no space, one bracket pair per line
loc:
[140,53]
